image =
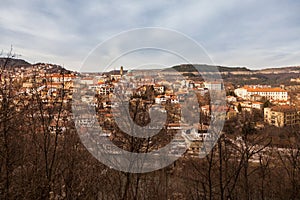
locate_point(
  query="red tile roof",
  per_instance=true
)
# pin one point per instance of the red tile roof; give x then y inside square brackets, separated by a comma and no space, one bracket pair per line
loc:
[284,108]
[265,89]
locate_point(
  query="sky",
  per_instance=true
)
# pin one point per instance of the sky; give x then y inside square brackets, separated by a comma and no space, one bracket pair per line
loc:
[254,34]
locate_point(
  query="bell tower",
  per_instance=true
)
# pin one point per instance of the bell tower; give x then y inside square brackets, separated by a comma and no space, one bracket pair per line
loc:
[121,71]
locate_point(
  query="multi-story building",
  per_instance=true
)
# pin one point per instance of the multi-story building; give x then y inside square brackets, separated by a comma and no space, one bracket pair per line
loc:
[159,88]
[59,77]
[105,90]
[281,116]
[268,93]
[214,85]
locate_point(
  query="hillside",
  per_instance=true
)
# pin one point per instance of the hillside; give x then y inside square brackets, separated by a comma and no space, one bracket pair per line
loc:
[243,75]
[291,69]
[12,62]
[204,67]
[235,75]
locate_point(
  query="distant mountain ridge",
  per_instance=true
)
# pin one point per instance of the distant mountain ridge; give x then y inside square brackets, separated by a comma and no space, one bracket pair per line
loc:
[290,69]
[13,62]
[194,67]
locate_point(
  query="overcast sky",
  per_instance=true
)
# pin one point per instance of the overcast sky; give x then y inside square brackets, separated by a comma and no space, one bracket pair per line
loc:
[255,34]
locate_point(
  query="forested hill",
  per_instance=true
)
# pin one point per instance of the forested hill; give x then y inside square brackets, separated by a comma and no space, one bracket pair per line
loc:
[12,62]
[193,68]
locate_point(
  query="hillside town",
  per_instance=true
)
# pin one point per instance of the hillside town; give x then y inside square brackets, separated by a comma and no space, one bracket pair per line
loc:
[51,106]
[150,100]
[54,85]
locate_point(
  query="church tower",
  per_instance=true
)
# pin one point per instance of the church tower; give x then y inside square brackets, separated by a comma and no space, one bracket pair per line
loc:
[121,71]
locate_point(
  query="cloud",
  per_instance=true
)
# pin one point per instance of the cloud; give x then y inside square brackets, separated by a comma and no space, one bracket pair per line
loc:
[143,47]
[248,33]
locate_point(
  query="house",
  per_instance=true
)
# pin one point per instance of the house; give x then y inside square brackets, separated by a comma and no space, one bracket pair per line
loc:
[59,77]
[160,89]
[87,81]
[245,105]
[231,99]
[174,99]
[115,77]
[231,113]
[206,110]
[248,105]
[257,105]
[193,140]
[160,99]
[105,90]
[280,102]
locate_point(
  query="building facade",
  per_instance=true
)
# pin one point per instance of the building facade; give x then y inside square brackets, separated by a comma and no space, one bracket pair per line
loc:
[214,85]
[268,93]
[281,116]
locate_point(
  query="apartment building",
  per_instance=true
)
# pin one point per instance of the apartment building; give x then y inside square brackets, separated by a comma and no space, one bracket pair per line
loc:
[281,116]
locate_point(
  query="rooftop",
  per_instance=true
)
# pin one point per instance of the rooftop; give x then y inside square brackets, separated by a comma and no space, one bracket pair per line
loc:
[284,108]
[277,89]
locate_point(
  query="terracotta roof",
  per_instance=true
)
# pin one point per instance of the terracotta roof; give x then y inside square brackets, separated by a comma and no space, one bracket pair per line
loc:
[174,124]
[281,101]
[54,83]
[265,89]
[87,78]
[284,108]
[231,110]
[61,75]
